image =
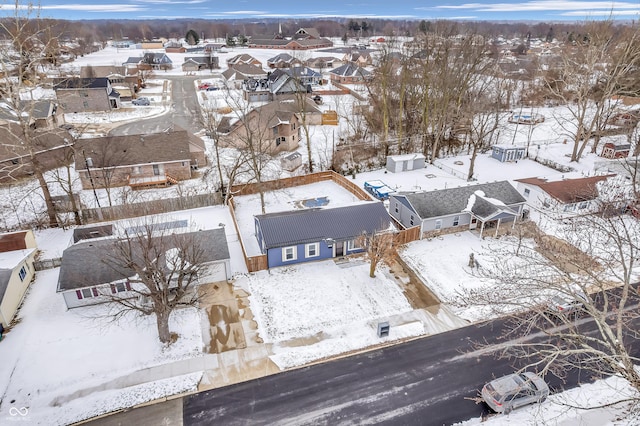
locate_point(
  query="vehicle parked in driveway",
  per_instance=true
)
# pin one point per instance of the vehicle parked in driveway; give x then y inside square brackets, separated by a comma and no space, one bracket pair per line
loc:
[141,101]
[515,390]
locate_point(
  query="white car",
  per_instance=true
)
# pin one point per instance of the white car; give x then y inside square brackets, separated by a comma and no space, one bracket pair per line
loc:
[567,304]
[504,394]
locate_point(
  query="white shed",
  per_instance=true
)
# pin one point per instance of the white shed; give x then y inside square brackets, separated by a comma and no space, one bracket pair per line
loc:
[401,163]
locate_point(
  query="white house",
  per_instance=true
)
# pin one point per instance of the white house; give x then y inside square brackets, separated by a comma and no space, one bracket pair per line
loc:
[564,196]
[86,279]
[17,255]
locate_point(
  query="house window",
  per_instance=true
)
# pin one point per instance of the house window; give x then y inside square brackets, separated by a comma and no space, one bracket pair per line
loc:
[411,220]
[313,250]
[289,253]
[527,191]
[277,141]
[87,293]
[275,131]
[569,207]
[456,220]
[438,223]
[120,287]
[22,274]
[156,170]
[583,205]
[546,202]
[85,104]
[293,126]
[353,245]
[397,207]
[137,170]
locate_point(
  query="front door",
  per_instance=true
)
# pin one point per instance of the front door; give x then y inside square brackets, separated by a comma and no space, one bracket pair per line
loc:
[340,248]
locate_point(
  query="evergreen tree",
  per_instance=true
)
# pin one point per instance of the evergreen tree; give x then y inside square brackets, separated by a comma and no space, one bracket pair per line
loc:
[192,38]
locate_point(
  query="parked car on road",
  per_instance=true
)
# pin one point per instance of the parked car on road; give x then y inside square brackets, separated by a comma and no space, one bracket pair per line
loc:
[567,304]
[141,101]
[504,394]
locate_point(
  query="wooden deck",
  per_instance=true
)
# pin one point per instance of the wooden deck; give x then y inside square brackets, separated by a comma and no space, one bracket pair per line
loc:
[151,181]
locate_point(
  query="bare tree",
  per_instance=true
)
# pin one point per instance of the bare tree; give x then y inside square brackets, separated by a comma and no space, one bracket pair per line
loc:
[594,70]
[30,42]
[378,247]
[161,268]
[589,263]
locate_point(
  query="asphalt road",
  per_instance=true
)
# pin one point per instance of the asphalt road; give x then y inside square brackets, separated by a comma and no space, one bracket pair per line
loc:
[185,111]
[429,381]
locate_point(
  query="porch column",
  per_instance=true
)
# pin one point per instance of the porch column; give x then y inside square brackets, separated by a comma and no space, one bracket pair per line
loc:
[497,228]
[481,229]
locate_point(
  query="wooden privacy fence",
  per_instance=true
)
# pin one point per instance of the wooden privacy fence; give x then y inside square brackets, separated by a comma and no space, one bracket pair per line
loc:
[150,207]
[41,265]
[272,185]
[254,263]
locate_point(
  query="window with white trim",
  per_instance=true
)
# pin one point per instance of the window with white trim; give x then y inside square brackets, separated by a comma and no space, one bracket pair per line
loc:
[289,253]
[438,223]
[583,205]
[456,220]
[22,274]
[312,250]
[353,245]
[527,191]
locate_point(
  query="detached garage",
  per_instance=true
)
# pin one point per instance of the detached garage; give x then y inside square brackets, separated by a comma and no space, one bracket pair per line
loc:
[402,163]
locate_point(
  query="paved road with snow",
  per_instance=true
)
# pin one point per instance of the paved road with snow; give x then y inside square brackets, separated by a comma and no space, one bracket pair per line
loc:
[185,111]
[429,381]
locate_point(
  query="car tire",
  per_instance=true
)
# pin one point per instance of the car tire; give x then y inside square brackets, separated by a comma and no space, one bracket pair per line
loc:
[507,410]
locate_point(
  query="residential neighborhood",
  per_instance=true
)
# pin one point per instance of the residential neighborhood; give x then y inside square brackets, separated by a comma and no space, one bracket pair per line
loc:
[182,215]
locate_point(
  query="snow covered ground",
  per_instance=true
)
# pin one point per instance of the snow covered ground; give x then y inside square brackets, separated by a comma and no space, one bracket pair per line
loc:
[63,366]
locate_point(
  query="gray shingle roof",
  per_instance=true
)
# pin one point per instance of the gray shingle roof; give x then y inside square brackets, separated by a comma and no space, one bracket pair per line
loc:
[454,200]
[84,264]
[340,223]
[81,83]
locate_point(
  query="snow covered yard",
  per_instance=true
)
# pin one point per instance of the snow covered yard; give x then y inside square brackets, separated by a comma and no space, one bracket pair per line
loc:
[316,310]
[54,358]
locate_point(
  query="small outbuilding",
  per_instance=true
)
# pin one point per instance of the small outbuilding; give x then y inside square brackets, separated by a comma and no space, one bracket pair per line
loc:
[615,150]
[508,153]
[291,161]
[401,163]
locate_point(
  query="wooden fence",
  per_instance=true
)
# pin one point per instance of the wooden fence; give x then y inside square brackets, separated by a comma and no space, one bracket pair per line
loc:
[150,207]
[254,263]
[41,265]
[272,185]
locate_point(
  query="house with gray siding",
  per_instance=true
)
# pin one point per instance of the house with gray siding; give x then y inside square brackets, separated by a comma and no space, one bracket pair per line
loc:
[86,279]
[317,233]
[480,206]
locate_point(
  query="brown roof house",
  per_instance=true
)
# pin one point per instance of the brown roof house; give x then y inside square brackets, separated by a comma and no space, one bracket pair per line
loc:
[17,255]
[138,160]
[19,154]
[563,197]
[86,94]
[276,124]
[349,73]
[243,58]
[303,39]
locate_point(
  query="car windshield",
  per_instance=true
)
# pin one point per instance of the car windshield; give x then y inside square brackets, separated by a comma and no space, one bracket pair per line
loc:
[493,392]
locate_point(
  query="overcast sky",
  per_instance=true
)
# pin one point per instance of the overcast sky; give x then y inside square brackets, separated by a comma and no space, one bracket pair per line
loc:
[541,10]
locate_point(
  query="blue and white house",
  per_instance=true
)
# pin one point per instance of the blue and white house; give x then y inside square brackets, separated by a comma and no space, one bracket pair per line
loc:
[317,233]
[480,206]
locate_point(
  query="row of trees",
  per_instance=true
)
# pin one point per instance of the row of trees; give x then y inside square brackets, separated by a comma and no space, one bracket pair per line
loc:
[448,91]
